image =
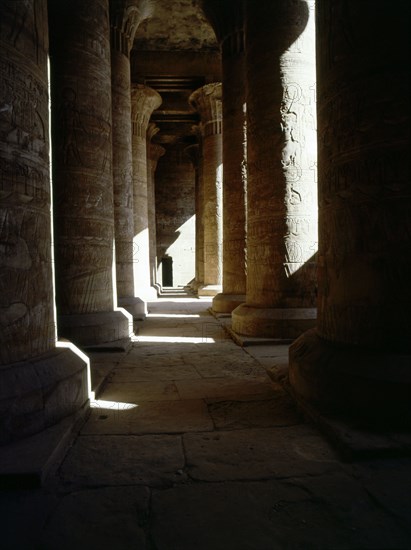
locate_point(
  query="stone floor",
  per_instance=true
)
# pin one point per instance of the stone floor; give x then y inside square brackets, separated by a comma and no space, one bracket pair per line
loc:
[191,446]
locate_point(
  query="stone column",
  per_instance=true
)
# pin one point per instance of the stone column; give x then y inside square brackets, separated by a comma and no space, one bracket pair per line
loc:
[193,152]
[207,101]
[154,152]
[125,17]
[82,173]
[41,380]
[358,361]
[227,21]
[281,189]
[144,101]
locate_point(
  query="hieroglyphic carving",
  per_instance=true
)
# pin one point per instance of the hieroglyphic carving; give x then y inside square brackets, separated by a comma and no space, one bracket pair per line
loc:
[207,100]
[25,248]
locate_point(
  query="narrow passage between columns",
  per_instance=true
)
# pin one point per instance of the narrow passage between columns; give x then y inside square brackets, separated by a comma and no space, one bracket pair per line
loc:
[190,445]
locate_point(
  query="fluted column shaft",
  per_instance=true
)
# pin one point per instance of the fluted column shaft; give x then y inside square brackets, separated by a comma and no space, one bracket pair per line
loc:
[207,101]
[281,189]
[154,152]
[144,101]
[358,362]
[227,21]
[82,173]
[41,382]
[125,17]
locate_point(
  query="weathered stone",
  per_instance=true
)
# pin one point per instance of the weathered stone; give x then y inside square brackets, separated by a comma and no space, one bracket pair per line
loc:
[97,460]
[221,387]
[40,384]
[153,372]
[143,102]
[151,418]
[110,517]
[272,515]
[228,22]
[257,454]
[281,156]
[363,184]
[207,101]
[175,207]
[280,410]
[134,392]
[124,22]
[154,152]
[82,173]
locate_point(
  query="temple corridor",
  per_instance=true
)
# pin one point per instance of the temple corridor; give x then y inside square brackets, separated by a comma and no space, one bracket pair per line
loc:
[191,445]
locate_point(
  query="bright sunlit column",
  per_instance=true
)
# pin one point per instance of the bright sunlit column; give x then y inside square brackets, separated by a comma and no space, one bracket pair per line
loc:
[154,153]
[124,23]
[281,158]
[144,101]
[41,383]
[207,101]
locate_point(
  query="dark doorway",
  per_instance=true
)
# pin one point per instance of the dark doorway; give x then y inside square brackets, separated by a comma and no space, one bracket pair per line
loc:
[167,271]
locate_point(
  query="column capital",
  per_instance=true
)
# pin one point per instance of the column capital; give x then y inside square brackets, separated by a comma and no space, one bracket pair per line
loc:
[155,151]
[125,18]
[227,21]
[152,130]
[144,101]
[207,100]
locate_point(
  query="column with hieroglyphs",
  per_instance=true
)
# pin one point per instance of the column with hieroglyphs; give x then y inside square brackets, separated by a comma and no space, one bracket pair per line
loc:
[42,380]
[227,20]
[208,102]
[154,153]
[144,100]
[281,159]
[125,18]
[356,363]
[82,174]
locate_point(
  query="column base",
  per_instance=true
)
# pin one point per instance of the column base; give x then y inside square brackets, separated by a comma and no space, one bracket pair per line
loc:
[278,323]
[225,303]
[40,392]
[90,329]
[136,306]
[371,388]
[209,290]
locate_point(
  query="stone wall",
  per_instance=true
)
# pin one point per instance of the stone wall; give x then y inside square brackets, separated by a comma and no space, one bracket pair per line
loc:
[175,211]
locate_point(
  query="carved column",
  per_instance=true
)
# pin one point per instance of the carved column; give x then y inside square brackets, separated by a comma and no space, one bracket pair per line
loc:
[82,173]
[281,189]
[207,101]
[154,152]
[125,17]
[194,154]
[227,21]
[144,101]
[41,380]
[358,360]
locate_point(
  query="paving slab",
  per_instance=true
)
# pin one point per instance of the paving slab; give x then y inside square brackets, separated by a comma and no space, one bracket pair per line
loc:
[137,392]
[99,519]
[279,411]
[253,454]
[23,515]
[143,373]
[270,515]
[221,387]
[388,482]
[97,460]
[151,418]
